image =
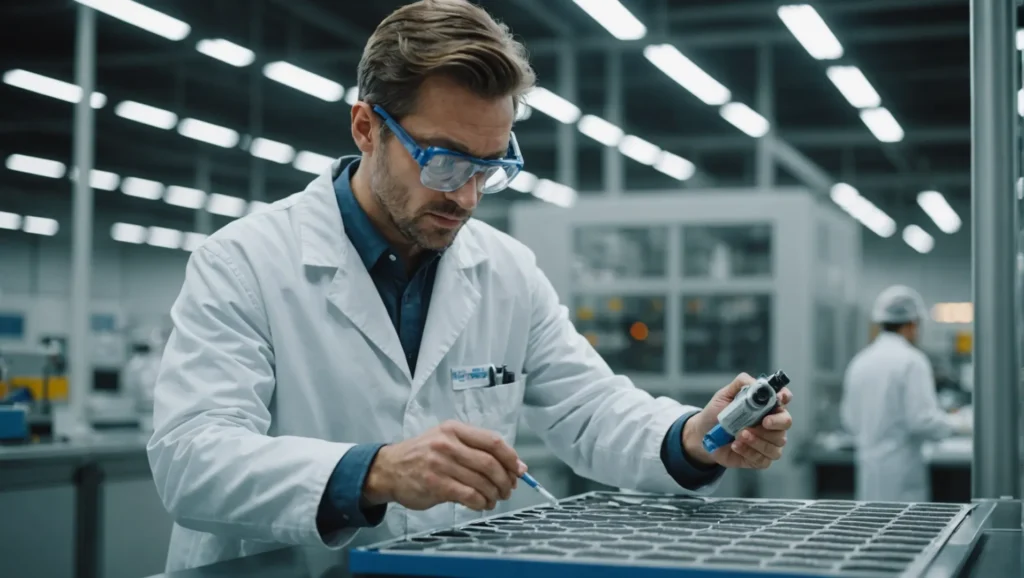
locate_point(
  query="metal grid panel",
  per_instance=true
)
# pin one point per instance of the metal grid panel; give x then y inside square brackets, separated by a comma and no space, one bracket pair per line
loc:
[790,537]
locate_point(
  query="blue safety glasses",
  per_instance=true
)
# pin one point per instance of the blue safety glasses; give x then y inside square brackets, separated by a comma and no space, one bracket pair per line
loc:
[447,170]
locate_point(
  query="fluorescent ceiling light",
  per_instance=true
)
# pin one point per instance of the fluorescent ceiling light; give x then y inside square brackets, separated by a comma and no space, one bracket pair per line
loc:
[615,18]
[555,193]
[811,31]
[142,16]
[918,239]
[142,188]
[314,163]
[936,207]
[1020,39]
[51,87]
[675,166]
[849,199]
[600,130]
[128,233]
[854,85]
[185,197]
[882,124]
[681,69]
[552,105]
[257,206]
[192,241]
[10,221]
[145,114]
[1020,102]
[36,166]
[98,179]
[40,226]
[226,205]
[352,95]
[523,111]
[304,81]
[226,51]
[208,133]
[745,118]
[163,237]
[271,150]
[639,150]
[524,182]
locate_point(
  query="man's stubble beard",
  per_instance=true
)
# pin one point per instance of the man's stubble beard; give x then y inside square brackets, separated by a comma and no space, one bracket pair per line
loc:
[389,195]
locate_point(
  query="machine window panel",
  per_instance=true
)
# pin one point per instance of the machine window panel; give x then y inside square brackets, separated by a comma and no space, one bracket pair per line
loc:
[12,326]
[726,333]
[628,332]
[725,252]
[825,354]
[604,254]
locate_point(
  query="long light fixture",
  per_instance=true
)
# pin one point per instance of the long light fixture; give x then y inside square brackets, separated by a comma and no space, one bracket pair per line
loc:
[875,219]
[51,87]
[10,221]
[304,81]
[208,132]
[745,118]
[555,193]
[675,166]
[142,16]
[40,226]
[600,130]
[142,188]
[312,163]
[36,166]
[615,18]
[854,86]
[186,197]
[226,205]
[226,51]
[191,241]
[271,150]
[128,233]
[164,237]
[257,206]
[681,69]
[553,105]
[882,124]
[352,95]
[918,239]
[939,211]
[103,180]
[811,32]
[145,114]
[525,182]
[639,150]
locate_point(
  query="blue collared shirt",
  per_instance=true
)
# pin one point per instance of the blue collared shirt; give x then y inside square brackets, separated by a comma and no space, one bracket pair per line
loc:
[406,299]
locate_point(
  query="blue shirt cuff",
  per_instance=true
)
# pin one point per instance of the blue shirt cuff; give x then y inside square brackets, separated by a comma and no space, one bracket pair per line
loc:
[341,505]
[686,473]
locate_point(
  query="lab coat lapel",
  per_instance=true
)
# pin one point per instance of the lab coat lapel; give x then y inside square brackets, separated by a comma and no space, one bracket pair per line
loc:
[454,301]
[325,245]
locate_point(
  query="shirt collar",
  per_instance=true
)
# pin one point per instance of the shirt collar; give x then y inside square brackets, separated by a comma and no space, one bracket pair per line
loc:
[369,243]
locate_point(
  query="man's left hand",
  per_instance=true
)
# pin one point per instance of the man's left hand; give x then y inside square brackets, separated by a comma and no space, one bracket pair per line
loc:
[756,447]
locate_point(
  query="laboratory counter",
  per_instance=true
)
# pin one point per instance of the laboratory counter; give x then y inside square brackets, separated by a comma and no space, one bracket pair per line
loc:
[833,459]
[987,543]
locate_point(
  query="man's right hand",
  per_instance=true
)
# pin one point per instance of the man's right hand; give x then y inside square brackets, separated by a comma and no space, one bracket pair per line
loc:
[452,462]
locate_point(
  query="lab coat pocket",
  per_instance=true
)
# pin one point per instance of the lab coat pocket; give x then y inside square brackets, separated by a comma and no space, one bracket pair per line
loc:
[495,408]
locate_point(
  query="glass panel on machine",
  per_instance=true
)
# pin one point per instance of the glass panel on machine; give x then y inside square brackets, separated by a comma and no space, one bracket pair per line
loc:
[825,338]
[603,253]
[628,332]
[727,333]
[724,252]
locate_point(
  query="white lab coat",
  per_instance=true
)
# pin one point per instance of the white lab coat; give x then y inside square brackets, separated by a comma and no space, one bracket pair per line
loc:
[283,357]
[891,408]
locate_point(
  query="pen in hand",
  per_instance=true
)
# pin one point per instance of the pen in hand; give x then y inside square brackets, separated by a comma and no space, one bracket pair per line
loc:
[530,481]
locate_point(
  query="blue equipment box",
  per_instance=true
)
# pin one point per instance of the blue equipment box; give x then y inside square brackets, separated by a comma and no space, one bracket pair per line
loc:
[13,422]
[605,534]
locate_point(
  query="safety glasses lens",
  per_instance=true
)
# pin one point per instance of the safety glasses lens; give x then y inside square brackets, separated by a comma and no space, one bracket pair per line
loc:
[447,173]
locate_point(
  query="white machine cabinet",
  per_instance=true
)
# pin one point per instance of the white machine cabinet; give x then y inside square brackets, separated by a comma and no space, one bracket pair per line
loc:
[684,289]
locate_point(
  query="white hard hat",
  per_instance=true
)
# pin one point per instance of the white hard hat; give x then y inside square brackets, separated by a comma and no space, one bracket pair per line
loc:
[899,304]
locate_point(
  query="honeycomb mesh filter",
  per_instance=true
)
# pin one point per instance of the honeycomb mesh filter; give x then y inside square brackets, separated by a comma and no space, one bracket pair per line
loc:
[810,537]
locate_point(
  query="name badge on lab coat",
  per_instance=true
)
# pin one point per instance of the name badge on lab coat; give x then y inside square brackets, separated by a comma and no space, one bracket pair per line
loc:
[471,377]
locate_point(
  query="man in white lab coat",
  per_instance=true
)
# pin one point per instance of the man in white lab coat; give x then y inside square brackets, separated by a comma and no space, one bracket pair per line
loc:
[890,405]
[336,361]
